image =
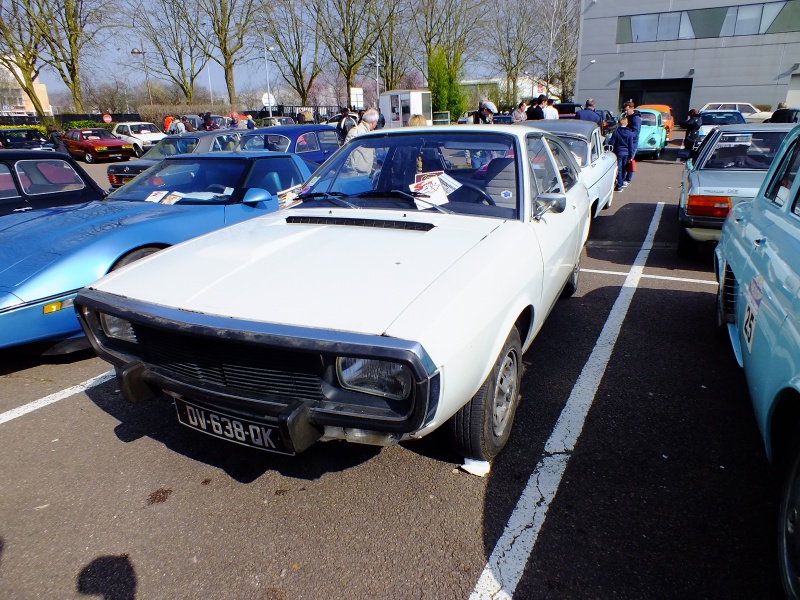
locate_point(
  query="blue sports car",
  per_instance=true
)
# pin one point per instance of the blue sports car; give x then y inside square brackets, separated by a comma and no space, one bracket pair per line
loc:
[48,255]
[313,142]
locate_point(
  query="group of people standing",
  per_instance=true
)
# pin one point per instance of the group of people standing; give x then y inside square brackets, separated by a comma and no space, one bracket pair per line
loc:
[625,142]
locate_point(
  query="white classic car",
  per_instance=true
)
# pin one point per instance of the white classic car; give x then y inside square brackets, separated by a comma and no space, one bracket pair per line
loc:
[598,165]
[142,136]
[397,296]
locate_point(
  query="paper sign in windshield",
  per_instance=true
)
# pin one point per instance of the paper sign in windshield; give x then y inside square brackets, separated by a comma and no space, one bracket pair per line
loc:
[156,196]
[431,187]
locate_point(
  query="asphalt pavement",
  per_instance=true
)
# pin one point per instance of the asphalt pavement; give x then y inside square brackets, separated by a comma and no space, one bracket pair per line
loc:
[634,470]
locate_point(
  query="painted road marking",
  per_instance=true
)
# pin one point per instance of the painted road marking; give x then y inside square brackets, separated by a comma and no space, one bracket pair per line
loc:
[643,276]
[505,566]
[12,414]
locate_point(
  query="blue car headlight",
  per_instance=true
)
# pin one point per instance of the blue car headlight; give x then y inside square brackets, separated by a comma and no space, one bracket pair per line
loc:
[117,328]
[378,377]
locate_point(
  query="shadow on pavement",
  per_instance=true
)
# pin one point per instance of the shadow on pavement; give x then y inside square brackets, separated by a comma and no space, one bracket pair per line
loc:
[17,359]
[110,577]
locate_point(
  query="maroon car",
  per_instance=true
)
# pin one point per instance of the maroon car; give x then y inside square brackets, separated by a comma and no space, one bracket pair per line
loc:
[93,144]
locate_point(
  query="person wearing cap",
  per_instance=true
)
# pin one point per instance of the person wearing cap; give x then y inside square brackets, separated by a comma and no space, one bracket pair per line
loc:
[587,113]
[488,110]
[477,116]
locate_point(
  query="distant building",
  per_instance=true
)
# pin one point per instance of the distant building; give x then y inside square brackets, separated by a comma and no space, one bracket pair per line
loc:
[686,53]
[14,102]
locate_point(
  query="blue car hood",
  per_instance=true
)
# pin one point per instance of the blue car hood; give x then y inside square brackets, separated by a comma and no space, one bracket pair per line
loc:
[31,241]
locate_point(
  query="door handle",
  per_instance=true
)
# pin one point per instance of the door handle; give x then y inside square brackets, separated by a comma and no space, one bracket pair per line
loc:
[23,209]
[760,242]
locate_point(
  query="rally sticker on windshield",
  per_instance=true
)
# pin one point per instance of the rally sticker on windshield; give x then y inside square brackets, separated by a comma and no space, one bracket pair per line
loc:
[432,187]
[754,293]
[156,196]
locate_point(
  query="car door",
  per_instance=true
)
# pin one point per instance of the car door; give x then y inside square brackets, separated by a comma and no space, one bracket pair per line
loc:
[606,165]
[11,200]
[123,132]
[328,143]
[556,233]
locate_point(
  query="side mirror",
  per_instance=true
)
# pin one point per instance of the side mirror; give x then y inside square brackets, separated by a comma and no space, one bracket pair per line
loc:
[254,196]
[556,203]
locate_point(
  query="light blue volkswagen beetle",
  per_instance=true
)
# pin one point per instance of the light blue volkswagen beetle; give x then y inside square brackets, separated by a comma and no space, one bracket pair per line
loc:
[757,262]
[46,256]
[652,135]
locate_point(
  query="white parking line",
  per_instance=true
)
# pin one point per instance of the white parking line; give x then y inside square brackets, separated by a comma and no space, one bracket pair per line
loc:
[507,562]
[12,414]
[664,277]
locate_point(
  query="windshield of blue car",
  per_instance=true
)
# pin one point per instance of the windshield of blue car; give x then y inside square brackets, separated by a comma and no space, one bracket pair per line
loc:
[170,146]
[744,151]
[200,181]
[462,172]
[731,117]
[265,141]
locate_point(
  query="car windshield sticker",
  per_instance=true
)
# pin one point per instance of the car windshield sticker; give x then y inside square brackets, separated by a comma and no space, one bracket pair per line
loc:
[449,184]
[172,198]
[505,195]
[156,196]
[431,187]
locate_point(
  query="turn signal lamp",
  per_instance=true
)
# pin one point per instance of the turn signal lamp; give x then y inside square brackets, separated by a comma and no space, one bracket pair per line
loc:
[52,307]
[708,206]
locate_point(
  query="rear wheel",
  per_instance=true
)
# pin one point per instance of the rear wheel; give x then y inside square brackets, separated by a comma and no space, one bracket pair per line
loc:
[482,427]
[572,283]
[89,158]
[134,256]
[137,151]
[789,533]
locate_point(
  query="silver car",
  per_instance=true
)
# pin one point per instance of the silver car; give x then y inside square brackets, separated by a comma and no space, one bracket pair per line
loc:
[730,167]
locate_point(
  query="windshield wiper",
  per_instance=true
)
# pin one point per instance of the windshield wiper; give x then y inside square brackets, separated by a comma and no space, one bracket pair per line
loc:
[414,196]
[332,197]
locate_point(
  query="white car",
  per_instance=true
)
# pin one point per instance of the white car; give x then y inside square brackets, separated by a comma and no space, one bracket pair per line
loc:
[142,136]
[751,113]
[398,296]
[598,165]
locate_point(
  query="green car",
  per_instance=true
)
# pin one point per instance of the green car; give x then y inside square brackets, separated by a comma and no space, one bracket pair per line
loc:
[652,135]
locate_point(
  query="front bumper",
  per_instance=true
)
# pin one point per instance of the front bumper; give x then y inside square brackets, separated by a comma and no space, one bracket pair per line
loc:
[261,373]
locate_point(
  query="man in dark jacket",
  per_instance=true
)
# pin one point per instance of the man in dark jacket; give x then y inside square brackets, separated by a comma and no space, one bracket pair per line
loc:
[622,142]
[535,111]
[587,113]
[635,125]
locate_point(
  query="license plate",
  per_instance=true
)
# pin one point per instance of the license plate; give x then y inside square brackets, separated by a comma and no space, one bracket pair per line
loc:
[233,429]
[115,155]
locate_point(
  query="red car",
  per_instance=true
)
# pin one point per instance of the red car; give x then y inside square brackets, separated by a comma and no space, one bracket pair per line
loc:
[96,144]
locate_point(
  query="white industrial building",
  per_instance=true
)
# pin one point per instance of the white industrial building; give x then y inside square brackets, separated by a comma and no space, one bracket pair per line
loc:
[687,53]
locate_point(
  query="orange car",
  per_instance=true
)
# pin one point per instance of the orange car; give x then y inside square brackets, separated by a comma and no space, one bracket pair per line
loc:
[666,116]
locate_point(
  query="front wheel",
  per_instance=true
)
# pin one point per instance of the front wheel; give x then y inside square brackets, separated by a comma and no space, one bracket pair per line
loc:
[480,429]
[89,158]
[134,256]
[137,151]
[789,533]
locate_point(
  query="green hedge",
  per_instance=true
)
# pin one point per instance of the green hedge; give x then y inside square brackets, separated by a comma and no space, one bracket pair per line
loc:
[86,125]
[40,128]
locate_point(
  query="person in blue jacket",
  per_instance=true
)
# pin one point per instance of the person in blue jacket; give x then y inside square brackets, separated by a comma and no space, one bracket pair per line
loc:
[634,124]
[622,141]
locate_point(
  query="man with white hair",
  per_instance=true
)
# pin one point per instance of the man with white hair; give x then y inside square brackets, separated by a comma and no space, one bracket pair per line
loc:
[368,122]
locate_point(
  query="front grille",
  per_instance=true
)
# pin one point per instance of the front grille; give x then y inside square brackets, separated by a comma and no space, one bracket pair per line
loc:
[255,370]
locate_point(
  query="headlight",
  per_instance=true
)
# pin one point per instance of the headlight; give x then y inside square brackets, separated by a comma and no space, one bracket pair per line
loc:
[117,328]
[652,141]
[379,377]
[101,147]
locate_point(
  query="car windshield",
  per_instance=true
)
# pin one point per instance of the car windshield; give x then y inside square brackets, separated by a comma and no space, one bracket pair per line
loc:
[170,146]
[144,128]
[649,119]
[200,181]
[265,141]
[744,151]
[466,173]
[23,135]
[722,118]
[96,134]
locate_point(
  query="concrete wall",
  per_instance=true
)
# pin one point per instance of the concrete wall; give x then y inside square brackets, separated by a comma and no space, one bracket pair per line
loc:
[755,68]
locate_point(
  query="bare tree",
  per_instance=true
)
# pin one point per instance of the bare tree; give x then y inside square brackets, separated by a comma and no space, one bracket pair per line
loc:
[178,55]
[559,35]
[228,22]
[293,31]
[69,28]
[349,30]
[512,42]
[394,45]
[20,48]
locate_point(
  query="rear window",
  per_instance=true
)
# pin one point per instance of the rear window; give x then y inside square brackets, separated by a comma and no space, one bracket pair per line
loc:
[744,151]
[264,141]
[722,118]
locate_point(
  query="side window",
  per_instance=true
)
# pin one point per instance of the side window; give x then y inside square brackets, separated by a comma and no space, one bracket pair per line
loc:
[328,140]
[8,189]
[47,176]
[543,172]
[745,109]
[306,143]
[123,130]
[783,178]
[225,142]
[727,107]
[596,146]
[568,173]
[274,174]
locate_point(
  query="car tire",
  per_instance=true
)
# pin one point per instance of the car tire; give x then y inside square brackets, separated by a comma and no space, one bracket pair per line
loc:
[89,158]
[572,283]
[657,154]
[789,526]
[722,316]
[687,247]
[137,151]
[134,256]
[480,429]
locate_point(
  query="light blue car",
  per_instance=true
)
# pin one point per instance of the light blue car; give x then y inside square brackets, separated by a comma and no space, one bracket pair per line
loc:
[46,256]
[757,262]
[652,135]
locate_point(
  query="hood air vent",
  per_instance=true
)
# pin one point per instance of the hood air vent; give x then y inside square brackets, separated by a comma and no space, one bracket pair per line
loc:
[350,222]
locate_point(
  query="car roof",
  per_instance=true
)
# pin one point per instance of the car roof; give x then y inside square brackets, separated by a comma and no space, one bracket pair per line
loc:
[721,110]
[23,154]
[570,126]
[653,111]
[199,133]
[657,107]
[228,154]
[510,129]
[288,129]
[750,127]
[135,123]
[29,128]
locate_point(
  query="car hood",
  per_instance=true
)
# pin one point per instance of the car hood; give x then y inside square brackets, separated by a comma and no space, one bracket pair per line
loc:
[58,231]
[106,142]
[324,274]
[736,184]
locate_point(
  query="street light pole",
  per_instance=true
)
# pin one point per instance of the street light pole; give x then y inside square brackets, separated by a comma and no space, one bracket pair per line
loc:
[377,82]
[210,89]
[146,73]
[266,70]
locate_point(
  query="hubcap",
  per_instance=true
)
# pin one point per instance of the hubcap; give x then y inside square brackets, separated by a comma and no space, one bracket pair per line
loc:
[505,391]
